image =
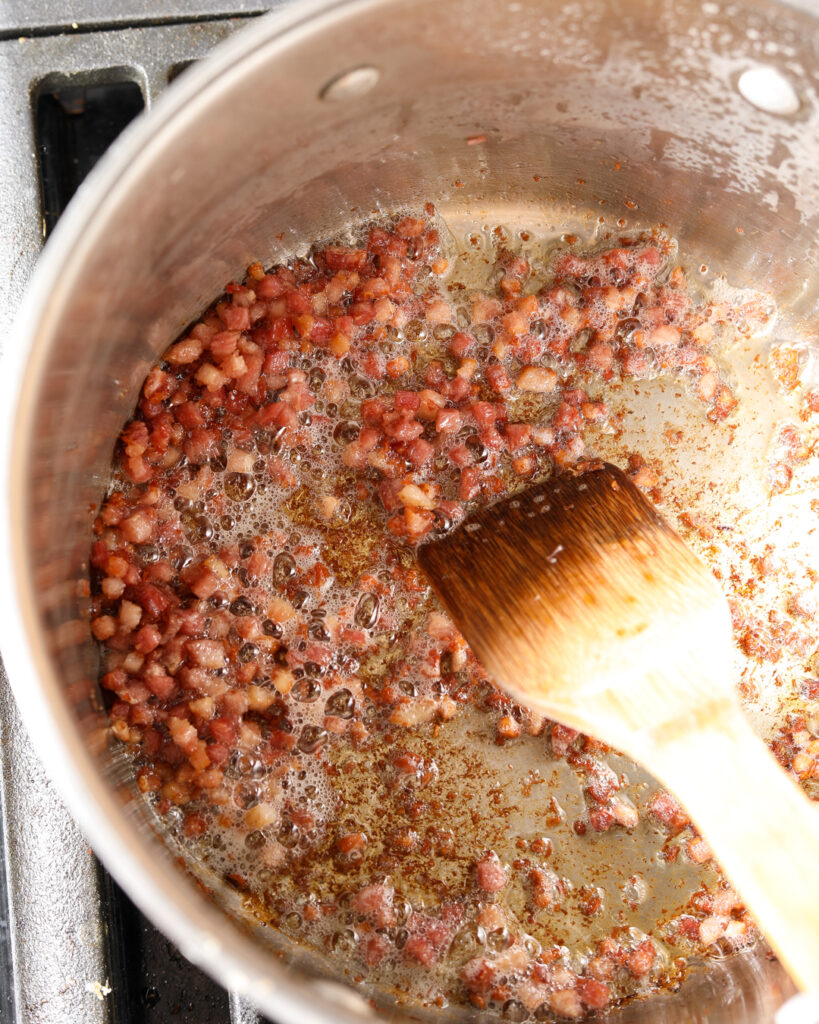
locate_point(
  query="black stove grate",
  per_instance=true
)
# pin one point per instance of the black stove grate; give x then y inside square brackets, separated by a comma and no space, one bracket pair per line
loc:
[75,125]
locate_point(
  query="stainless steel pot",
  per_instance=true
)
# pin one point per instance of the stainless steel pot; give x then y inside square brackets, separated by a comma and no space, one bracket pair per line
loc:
[322,114]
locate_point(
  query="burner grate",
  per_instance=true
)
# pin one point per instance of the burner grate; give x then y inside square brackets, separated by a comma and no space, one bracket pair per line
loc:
[74,125]
[73,948]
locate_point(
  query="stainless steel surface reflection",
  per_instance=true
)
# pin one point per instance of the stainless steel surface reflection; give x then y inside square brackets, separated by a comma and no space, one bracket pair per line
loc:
[586,108]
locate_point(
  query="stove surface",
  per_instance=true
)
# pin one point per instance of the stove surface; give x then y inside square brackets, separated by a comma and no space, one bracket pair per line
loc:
[73,948]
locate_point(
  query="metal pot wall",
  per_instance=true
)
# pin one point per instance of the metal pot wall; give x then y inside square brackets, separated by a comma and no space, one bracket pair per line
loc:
[323,114]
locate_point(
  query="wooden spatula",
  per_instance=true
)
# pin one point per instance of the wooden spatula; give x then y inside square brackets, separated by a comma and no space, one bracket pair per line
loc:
[583,603]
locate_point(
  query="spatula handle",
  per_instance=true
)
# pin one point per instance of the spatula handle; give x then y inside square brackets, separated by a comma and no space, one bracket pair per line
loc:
[763,830]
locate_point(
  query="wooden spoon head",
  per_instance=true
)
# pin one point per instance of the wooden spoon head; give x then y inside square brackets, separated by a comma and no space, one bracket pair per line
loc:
[582,602]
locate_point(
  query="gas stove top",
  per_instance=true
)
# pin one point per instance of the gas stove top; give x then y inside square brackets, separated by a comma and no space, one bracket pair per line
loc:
[73,948]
